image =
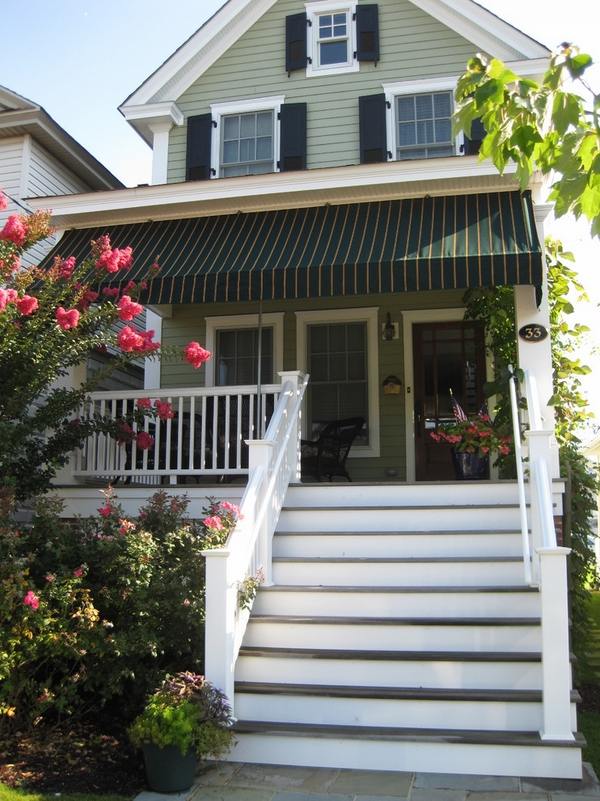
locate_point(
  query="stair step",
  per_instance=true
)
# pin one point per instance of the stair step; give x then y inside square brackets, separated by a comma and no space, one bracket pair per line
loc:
[396,559]
[399,507]
[399,734]
[393,693]
[400,533]
[396,656]
[406,589]
[398,621]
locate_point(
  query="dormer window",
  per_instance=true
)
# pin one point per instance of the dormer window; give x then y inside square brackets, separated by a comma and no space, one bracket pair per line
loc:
[331,38]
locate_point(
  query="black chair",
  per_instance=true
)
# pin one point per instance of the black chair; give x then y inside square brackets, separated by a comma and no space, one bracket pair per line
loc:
[326,456]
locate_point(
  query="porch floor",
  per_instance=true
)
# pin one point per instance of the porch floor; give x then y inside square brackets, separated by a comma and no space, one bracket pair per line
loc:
[230,781]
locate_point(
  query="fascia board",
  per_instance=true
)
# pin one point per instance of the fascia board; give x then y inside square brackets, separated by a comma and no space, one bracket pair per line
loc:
[186,199]
[484,29]
[14,101]
[200,52]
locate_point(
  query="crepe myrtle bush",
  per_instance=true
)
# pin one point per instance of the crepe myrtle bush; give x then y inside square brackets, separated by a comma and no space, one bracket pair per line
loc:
[95,612]
[52,320]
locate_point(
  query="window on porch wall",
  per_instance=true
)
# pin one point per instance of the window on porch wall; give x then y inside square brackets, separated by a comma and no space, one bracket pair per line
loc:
[337,364]
[237,357]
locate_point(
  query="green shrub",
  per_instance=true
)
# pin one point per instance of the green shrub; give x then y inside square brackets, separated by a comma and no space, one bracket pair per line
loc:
[95,612]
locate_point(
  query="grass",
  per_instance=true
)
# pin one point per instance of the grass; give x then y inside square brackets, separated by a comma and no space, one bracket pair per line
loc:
[589,725]
[9,794]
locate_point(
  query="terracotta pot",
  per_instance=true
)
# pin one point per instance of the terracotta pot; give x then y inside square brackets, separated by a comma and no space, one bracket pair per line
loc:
[470,466]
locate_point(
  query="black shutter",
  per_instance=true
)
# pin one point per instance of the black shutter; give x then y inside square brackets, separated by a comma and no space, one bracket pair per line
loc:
[373,134]
[473,142]
[293,137]
[367,33]
[295,42]
[197,160]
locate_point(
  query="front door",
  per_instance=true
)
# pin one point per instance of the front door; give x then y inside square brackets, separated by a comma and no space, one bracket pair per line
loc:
[446,356]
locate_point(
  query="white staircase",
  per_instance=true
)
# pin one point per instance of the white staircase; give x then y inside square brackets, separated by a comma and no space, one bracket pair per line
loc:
[398,634]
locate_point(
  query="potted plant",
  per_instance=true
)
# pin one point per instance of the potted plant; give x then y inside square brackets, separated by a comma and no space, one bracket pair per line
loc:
[472,442]
[185,719]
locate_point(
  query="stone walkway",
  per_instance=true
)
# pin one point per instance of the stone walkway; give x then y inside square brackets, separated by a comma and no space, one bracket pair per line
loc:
[241,782]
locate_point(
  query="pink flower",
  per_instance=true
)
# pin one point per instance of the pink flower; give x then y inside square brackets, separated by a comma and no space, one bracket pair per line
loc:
[79,571]
[226,506]
[111,291]
[50,577]
[3,201]
[129,340]
[164,410]
[15,230]
[114,260]
[31,599]
[144,403]
[196,355]
[89,296]
[11,295]
[213,522]
[27,305]
[124,432]
[66,267]
[3,299]
[67,319]
[126,527]
[186,602]
[144,441]
[128,287]
[105,511]
[128,309]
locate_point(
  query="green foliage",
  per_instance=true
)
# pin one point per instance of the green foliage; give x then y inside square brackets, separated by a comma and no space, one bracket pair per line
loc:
[187,712]
[539,126]
[478,435]
[248,588]
[13,794]
[495,307]
[117,603]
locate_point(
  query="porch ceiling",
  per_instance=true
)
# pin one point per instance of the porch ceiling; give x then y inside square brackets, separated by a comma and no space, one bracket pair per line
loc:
[450,242]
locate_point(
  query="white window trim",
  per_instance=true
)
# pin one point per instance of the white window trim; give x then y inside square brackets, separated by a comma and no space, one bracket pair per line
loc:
[273,320]
[370,316]
[312,12]
[421,86]
[219,110]
[409,318]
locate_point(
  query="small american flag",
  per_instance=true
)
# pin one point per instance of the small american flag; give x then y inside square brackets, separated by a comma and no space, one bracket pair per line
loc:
[457,409]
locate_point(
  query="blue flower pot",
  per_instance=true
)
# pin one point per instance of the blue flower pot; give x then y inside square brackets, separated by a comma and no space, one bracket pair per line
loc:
[470,466]
[167,770]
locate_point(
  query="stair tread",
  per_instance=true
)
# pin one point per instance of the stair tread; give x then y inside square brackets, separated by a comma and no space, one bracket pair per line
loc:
[457,736]
[387,655]
[391,693]
[399,507]
[341,620]
[398,559]
[284,533]
[420,589]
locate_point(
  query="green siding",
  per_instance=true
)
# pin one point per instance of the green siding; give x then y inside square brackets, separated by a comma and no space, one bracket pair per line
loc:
[188,323]
[413,45]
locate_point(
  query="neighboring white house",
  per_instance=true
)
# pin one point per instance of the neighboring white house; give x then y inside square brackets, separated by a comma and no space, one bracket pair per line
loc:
[313,212]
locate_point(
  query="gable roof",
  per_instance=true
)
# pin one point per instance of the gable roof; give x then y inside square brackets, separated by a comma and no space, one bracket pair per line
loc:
[19,116]
[189,62]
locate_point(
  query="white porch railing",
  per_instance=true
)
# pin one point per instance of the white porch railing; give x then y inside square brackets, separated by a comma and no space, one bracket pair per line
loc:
[206,437]
[274,462]
[545,563]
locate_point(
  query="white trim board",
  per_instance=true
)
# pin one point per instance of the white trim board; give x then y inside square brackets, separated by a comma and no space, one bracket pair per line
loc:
[189,62]
[369,315]
[272,320]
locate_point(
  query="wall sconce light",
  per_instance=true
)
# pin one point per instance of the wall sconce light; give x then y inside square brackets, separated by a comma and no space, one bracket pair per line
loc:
[390,330]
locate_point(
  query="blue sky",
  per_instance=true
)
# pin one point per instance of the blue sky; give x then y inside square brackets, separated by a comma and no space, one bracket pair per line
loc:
[81,58]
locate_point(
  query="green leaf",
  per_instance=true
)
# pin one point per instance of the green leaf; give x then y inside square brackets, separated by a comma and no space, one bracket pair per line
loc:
[490,90]
[566,111]
[579,64]
[588,150]
[590,201]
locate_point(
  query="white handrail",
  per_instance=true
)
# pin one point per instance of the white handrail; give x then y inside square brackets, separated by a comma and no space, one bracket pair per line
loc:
[520,478]
[273,463]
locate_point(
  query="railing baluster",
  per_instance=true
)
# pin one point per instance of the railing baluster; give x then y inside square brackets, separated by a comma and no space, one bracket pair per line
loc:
[203,434]
[226,443]
[238,438]
[215,432]
[179,433]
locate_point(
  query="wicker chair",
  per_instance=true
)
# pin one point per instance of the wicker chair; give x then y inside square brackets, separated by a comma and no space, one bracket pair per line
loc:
[326,456]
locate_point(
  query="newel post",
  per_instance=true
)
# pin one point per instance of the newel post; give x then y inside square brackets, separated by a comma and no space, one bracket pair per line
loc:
[556,668]
[294,377]
[220,609]
[260,454]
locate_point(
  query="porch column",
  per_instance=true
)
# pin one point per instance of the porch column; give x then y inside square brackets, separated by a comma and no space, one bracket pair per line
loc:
[74,378]
[160,150]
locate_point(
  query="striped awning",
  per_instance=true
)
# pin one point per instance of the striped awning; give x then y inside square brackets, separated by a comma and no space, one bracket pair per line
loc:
[452,242]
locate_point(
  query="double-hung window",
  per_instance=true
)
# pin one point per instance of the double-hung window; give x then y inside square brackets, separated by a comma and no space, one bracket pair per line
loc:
[246,139]
[419,119]
[332,38]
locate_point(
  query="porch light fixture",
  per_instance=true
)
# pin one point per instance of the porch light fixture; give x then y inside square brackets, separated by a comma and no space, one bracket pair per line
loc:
[389,330]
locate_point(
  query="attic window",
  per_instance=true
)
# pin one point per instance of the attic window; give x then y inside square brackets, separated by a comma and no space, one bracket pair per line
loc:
[331,38]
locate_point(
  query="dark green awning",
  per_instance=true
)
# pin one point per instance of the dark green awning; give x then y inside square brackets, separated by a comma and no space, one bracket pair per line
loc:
[452,242]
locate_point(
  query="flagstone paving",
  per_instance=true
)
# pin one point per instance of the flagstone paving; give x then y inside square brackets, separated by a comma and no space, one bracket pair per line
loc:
[229,781]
